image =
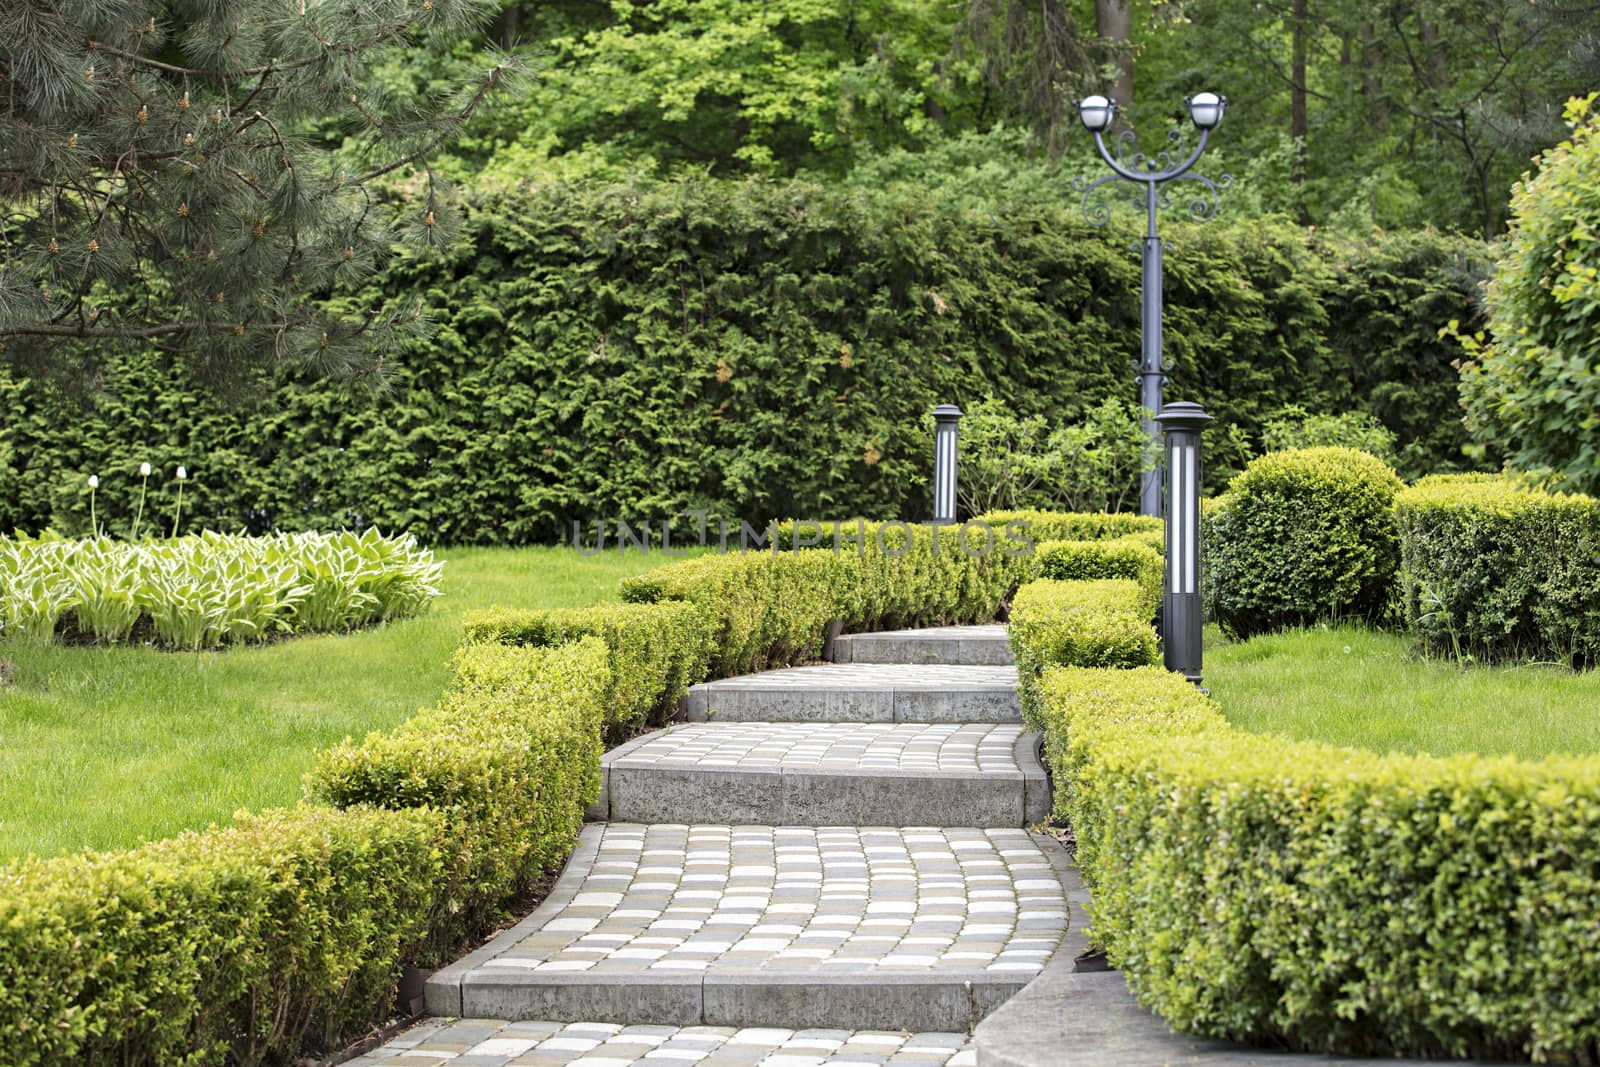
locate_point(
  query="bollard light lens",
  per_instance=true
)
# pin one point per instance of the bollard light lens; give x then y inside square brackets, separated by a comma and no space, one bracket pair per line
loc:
[1206,109]
[1096,112]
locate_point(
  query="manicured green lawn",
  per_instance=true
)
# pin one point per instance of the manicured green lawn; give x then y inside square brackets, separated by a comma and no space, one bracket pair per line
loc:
[104,746]
[1352,686]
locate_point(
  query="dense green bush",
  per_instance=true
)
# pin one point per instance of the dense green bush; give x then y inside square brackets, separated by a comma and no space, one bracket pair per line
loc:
[1494,568]
[1085,624]
[1294,428]
[758,350]
[249,942]
[1300,537]
[1531,387]
[1130,557]
[1324,898]
[198,592]
[510,755]
[656,651]
[1042,526]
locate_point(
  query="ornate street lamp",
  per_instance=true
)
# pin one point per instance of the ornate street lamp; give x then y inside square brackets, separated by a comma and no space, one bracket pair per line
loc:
[1153,173]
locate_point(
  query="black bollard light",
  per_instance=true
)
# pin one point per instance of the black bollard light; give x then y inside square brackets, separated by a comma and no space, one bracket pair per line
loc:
[945,418]
[1182,615]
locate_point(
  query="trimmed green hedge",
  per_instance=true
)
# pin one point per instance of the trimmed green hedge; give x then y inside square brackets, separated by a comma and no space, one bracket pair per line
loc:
[1130,557]
[656,651]
[759,609]
[289,929]
[1042,526]
[1330,899]
[1493,568]
[511,755]
[1089,624]
[756,349]
[246,942]
[1301,537]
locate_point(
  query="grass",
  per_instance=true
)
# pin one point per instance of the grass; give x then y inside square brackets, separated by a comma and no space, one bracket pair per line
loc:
[1360,687]
[103,747]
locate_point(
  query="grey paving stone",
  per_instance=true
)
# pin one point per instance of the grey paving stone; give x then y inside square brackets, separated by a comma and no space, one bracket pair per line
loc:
[953,645]
[816,774]
[477,1042]
[869,693]
[800,926]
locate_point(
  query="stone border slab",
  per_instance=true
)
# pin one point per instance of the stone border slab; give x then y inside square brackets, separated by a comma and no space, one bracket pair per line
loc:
[643,792]
[975,646]
[871,693]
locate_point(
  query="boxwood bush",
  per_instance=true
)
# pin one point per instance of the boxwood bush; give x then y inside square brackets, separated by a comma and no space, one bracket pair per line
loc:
[510,755]
[1130,557]
[246,943]
[1495,568]
[656,651]
[1091,624]
[1330,899]
[1300,537]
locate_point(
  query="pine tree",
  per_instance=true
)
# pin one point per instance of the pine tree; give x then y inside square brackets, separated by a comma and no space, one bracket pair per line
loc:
[202,174]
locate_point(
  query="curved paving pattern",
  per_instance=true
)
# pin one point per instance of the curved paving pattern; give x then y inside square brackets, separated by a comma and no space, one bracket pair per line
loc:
[788,926]
[546,1044]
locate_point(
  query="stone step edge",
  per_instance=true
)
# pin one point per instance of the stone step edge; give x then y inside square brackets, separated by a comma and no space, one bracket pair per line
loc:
[1031,772]
[446,989]
[939,648]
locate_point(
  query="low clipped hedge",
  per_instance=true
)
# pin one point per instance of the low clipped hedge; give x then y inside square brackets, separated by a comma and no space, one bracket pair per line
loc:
[1301,537]
[656,651]
[1324,898]
[758,609]
[511,755]
[1044,526]
[1090,624]
[1132,558]
[1493,568]
[245,942]
[289,929]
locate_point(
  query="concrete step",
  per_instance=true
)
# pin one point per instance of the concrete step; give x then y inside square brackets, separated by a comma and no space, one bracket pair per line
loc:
[732,926]
[479,1042]
[861,692]
[827,774]
[963,646]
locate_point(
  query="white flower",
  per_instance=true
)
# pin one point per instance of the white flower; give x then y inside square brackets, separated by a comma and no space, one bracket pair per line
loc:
[94,481]
[144,470]
[182,474]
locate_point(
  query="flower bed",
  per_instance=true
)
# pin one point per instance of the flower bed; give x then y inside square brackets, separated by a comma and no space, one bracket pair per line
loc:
[211,589]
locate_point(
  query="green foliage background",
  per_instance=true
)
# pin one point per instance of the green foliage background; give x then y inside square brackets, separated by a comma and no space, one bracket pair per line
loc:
[754,349]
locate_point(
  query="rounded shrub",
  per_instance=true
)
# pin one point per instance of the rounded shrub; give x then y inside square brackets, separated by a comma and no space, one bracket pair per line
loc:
[1300,537]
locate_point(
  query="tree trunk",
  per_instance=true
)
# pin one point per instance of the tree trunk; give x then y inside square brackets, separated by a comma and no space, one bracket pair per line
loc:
[1113,22]
[1298,125]
[1371,84]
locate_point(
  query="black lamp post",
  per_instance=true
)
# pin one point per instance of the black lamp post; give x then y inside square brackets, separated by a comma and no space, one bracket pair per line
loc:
[946,418]
[1153,173]
[1182,618]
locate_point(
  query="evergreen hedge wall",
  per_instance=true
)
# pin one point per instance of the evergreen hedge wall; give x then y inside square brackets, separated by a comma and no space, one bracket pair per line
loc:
[755,350]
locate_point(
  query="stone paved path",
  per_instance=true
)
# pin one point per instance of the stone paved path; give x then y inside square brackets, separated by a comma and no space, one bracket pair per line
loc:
[812,918]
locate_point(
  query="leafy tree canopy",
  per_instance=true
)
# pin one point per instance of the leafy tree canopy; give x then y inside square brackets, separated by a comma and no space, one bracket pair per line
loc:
[167,176]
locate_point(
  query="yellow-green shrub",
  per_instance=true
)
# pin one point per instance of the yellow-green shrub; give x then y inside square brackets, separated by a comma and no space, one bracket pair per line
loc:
[656,651]
[1042,526]
[1494,568]
[246,942]
[1129,557]
[1331,899]
[510,755]
[759,609]
[1086,624]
